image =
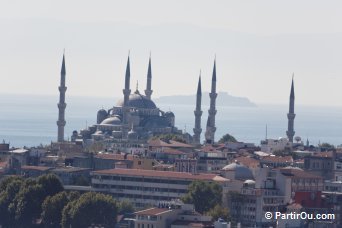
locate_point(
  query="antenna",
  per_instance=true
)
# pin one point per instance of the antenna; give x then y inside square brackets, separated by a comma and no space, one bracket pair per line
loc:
[266,133]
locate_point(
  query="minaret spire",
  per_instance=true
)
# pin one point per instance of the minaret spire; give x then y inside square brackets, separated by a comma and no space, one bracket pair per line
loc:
[198,113]
[149,91]
[61,105]
[127,90]
[211,128]
[291,115]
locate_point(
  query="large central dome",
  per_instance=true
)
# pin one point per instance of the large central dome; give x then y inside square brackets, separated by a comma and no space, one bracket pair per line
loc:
[136,100]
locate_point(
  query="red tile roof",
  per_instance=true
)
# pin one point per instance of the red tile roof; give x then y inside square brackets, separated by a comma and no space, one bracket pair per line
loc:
[114,156]
[295,173]
[172,151]
[247,161]
[171,143]
[162,174]
[3,164]
[328,154]
[209,149]
[278,159]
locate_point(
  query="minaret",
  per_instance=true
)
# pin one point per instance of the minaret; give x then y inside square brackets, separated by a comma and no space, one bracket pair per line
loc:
[125,108]
[291,115]
[61,105]
[198,113]
[210,131]
[149,91]
[127,90]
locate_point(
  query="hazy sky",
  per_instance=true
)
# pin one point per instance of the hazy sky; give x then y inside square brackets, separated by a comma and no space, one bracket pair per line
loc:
[258,44]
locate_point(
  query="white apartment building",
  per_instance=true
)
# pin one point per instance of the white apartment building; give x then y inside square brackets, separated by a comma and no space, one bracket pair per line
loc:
[148,187]
[272,145]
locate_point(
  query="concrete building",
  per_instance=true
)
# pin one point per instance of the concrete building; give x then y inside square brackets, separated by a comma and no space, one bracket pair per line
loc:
[276,161]
[174,214]
[321,163]
[274,145]
[148,187]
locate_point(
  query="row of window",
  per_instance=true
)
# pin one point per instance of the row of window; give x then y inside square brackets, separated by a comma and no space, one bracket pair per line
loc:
[142,179]
[145,225]
[139,196]
[140,188]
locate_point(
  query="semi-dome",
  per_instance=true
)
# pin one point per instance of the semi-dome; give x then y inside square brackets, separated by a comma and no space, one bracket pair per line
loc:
[169,114]
[113,120]
[241,172]
[136,100]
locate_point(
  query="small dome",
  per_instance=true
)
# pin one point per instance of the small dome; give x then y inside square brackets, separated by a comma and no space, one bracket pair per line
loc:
[169,114]
[98,133]
[113,120]
[102,111]
[241,172]
[249,182]
[136,100]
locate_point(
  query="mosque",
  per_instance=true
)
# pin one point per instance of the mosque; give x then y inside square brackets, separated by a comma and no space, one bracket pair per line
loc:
[136,116]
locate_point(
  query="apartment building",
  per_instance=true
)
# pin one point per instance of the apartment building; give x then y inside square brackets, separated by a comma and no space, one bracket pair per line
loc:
[148,187]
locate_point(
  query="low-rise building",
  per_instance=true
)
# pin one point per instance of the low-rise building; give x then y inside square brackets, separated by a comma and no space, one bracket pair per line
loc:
[148,187]
[73,175]
[172,214]
[276,161]
[273,145]
[34,171]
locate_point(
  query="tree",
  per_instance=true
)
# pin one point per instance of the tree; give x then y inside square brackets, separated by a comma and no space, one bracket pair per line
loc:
[327,146]
[51,184]
[7,180]
[7,196]
[27,204]
[227,138]
[125,207]
[219,212]
[168,137]
[21,199]
[102,208]
[52,207]
[203,195]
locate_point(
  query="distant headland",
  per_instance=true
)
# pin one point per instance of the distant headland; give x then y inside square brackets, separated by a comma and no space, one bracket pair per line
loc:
[223,99]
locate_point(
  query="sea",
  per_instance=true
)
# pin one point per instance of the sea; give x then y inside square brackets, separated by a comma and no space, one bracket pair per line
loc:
[30,120]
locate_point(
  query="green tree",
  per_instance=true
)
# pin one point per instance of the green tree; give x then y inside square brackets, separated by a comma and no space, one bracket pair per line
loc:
[52,207]
[7,180]
[327,146]
[21,199]
[203,195]
[51,184]
[227,138]
[125,207]
[27,204]
[168,137]
[102,208]
[7,196]
[219,212]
